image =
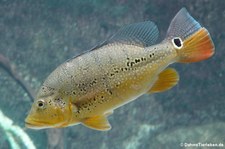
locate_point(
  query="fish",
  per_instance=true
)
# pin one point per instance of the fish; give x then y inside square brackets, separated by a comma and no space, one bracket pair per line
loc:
[86,89]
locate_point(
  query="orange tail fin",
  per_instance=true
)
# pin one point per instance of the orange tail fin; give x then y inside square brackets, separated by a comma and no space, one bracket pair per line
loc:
[192,41]
[197,47]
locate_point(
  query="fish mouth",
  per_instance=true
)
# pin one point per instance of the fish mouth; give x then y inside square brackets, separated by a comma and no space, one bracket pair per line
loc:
[33,124]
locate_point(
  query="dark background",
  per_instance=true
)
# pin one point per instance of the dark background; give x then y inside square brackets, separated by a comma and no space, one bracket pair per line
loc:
[38,35]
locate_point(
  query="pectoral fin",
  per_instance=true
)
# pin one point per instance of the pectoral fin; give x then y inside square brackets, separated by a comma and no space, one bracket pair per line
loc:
[97,123]
[166,80]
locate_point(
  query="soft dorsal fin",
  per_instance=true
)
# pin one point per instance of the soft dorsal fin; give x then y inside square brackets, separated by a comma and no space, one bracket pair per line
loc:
[97,122]
[142,34]
[166,80]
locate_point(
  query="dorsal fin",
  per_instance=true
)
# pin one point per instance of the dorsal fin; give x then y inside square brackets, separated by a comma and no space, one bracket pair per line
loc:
[142,34]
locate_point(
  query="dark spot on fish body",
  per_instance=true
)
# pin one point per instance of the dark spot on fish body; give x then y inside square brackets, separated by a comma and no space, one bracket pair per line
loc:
[151,55]
[128,64]
[116,70]
[109,91]
[46,89]
[40,104]
[50,102]
[59,102]
[57,99]
[93,83]
[82,87]
[132,63]
[100,101]
[137,60]
[54,115]
[177,42]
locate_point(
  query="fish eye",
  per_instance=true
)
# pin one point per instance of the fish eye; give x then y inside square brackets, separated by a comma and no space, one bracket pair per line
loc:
[40,104]
[177,42]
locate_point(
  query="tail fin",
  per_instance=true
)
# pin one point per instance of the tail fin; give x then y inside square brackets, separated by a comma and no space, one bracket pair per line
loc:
[193,42]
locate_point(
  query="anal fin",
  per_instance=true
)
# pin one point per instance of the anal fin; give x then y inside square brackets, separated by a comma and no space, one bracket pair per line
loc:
[166,80]
[97,122]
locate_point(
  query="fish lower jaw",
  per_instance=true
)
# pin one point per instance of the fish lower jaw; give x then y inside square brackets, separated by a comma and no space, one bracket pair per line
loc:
[39,125]
[35,126]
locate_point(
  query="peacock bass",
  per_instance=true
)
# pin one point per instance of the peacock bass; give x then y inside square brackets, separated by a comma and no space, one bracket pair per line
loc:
[87,88]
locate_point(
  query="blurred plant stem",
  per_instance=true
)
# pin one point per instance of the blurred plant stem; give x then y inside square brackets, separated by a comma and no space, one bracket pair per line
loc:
[55,136]
[11,69]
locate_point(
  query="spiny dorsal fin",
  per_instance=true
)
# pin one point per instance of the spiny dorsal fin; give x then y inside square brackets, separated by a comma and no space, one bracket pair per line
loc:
[142,34]
[166,80]
[97,123]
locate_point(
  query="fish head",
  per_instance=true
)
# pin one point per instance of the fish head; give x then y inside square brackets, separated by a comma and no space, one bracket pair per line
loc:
[49,112]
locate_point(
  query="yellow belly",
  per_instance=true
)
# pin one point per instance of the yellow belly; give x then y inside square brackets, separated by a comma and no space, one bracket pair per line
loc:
[121,93]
